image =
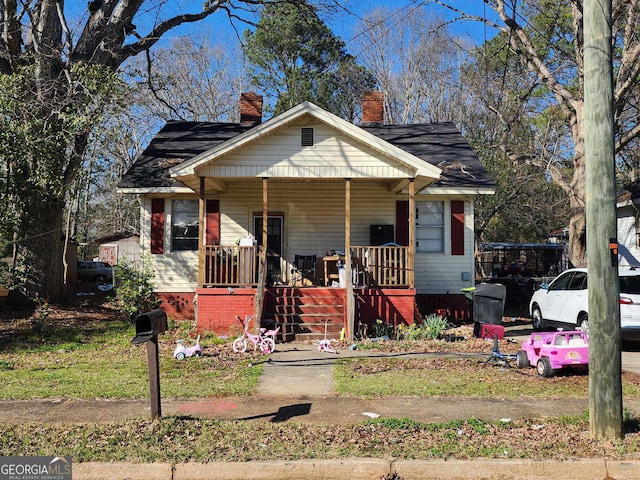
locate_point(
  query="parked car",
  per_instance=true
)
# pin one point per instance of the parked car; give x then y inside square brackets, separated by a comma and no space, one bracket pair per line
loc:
[552,351]
[564,302]
[90,271]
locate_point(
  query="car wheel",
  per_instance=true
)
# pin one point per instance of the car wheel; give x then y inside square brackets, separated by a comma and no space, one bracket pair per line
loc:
[523,359]
[583,322]
[240,345]
[180,356]
[536,319]
[544,367]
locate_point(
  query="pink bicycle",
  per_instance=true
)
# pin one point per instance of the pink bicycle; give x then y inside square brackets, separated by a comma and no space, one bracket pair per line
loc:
[266,344]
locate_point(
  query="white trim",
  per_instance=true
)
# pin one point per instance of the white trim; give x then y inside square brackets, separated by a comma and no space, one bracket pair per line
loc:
[435,190]
[422,168]
[152,190]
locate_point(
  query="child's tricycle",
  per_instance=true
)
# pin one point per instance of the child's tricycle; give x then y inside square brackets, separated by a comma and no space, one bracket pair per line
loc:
[181,351]
[551,351]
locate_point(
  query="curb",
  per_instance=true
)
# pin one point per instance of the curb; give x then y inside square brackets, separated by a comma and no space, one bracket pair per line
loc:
[367,469]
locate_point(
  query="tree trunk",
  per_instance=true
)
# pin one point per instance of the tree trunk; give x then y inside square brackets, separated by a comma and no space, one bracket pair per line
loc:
[577,194]
[39,253]
[577,222]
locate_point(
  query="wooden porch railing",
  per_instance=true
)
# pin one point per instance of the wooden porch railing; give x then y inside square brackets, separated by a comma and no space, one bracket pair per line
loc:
[382,266]
[238,266]
[230,266]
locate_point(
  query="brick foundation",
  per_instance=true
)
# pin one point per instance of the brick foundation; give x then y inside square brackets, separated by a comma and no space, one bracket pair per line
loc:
[178,305]
[217,308]
[393,306]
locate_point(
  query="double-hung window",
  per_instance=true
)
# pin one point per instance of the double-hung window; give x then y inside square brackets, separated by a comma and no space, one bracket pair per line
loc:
[430,226]
[184,225]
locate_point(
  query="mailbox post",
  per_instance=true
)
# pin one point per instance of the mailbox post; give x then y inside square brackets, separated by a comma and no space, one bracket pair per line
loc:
[148,326]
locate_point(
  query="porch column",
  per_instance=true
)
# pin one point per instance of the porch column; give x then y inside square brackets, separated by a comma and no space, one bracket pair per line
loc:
[201,234]
[347,259]
[412,234]
[262,269]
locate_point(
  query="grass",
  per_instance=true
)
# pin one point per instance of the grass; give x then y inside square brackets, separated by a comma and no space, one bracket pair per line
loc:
[102,362]
[180,439]
[53,359]
[469,377]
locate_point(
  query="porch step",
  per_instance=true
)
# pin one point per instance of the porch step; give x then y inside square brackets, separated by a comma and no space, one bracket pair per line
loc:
[301,312]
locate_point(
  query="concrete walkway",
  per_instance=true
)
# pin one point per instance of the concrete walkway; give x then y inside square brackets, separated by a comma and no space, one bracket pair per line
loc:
[296,370]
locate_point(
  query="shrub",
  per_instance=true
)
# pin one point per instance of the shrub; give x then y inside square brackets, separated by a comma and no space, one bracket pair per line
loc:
[134,290]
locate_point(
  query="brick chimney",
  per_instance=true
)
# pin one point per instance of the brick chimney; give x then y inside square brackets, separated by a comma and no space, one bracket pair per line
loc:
[373,107]
[250,108]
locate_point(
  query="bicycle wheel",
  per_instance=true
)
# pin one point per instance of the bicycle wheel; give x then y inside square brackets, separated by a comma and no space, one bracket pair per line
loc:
[240,345]
[267,345]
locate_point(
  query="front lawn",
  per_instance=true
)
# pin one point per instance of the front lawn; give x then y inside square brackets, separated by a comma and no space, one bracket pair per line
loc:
[468,377]
[89,355]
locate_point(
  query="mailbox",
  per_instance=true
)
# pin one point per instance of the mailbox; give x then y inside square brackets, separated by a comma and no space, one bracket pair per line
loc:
[148,325]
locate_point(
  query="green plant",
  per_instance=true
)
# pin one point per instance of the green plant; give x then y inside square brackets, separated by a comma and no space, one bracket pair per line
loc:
[434,326]
[134,290]
[382,329]
[431,328]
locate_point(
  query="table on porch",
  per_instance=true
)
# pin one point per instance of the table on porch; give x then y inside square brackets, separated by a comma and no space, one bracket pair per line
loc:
[330,264]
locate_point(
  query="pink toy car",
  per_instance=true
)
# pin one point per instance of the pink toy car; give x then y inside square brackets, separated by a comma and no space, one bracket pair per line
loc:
[551,351]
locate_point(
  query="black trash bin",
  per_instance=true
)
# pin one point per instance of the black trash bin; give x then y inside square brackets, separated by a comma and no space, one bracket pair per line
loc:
[488,303]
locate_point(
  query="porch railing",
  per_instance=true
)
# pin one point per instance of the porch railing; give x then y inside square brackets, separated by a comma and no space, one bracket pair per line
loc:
[375,266]
[386,266]
[230,266]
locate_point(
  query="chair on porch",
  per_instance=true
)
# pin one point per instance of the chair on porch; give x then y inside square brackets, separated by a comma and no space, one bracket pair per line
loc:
[304,270]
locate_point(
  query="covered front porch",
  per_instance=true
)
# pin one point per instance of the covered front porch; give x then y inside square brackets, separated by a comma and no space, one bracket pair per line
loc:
[314,295]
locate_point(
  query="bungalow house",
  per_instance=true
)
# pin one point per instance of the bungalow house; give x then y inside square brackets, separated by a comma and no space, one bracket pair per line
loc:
[359,222]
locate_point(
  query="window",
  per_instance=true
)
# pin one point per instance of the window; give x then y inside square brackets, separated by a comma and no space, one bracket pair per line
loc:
[430,227]
[562,282]
[307,137]
[184,225]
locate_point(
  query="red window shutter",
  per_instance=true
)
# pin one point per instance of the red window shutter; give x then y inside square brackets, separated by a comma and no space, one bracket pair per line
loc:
[157,225]
[402,222]
[212,220]
[457,227]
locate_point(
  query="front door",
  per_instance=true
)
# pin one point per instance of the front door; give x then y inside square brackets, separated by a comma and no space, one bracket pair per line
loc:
[274,246]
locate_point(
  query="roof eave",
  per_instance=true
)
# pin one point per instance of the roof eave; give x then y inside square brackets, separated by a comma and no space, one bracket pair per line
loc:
[153,190]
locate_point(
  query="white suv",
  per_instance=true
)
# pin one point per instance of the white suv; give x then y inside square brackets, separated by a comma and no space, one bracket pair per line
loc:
[564,302]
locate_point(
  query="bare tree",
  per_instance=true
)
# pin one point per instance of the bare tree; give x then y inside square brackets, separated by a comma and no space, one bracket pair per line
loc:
[193,79]
[547,38]
[416,61]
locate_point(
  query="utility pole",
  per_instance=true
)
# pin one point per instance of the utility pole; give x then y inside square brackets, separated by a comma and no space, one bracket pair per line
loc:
[605,374]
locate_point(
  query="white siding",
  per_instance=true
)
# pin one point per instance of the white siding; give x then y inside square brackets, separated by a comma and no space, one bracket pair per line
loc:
[333,156]
[629,253]
[442,272]
[313,225]
[174,271]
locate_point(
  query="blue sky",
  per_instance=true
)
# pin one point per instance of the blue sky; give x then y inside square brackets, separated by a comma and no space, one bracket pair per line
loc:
[218,25]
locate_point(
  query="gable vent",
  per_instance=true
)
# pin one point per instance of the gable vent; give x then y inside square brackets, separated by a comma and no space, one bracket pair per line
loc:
[307,137]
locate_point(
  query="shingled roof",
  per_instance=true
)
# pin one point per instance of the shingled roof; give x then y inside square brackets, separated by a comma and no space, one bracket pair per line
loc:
[439,144]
